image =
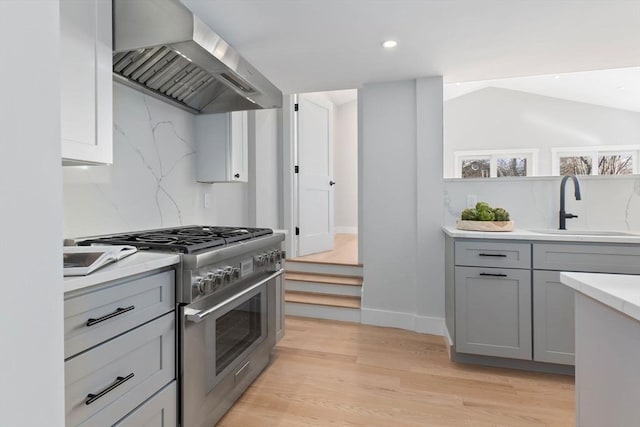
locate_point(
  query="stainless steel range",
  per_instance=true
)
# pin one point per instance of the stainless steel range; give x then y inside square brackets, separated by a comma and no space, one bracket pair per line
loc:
[226,304]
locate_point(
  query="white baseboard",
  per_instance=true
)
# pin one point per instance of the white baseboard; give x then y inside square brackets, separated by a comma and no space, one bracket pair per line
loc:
[345,230]
[411,322]
[430,325]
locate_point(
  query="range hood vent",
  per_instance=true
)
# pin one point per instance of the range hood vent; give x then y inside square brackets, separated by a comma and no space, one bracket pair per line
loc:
[162,49]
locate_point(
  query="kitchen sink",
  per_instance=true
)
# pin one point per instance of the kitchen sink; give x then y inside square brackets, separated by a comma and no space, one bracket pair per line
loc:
[584,232]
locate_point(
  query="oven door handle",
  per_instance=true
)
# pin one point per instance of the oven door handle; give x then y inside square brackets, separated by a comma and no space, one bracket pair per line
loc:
[198,316]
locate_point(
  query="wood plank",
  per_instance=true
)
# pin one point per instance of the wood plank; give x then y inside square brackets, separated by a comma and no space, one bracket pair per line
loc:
[322,299]
[324,278]
[345,251]
[348,374]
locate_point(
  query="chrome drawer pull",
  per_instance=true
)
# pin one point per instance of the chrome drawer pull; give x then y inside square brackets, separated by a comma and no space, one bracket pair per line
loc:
[119,381]
[494,255]
[118,312]
[494,274]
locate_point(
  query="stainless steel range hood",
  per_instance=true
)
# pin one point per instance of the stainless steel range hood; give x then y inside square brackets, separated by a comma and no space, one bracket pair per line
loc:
[161,48]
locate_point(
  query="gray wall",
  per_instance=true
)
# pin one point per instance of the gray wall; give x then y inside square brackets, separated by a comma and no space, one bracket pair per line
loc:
[32,358]
[345,167]
[496,118]
[401,185]
[264,164]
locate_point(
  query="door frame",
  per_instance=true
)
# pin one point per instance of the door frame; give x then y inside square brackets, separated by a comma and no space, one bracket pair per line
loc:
[290,183]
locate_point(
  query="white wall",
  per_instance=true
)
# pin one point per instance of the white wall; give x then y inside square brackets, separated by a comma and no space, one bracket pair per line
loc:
[151,183]
[32,358]
[608,203]
[401,243]
[496,118]
[345,167]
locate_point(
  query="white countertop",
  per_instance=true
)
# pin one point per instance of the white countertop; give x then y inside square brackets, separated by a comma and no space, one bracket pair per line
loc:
[521,234]
[618,291]
[139,262]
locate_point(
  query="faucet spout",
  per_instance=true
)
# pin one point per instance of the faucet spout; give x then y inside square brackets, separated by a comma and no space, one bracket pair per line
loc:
[576,186]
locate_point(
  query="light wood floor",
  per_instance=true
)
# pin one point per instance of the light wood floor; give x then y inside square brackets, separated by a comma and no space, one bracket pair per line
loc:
[328,373]
[345,251]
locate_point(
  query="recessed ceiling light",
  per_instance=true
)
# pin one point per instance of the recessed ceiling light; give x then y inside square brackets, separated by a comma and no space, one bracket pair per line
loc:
[556,77]
[388,44]
[620,87]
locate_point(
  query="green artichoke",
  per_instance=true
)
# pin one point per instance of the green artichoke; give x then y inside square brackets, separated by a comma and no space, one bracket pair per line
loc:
[486,215]
[500,214]
[483,206]
[469,214]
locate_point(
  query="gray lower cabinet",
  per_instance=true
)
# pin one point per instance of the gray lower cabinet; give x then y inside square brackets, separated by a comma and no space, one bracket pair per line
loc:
[553,319]
[120,350]
[159,411]
[279,308]
[493,312]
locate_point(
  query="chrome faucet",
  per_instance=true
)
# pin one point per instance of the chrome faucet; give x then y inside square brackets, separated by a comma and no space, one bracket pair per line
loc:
[564,215]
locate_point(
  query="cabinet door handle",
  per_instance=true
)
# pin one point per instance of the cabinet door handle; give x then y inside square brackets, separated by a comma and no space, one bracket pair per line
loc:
[494,274]
[493,255]
[118,382]
[236,175]
[118,312]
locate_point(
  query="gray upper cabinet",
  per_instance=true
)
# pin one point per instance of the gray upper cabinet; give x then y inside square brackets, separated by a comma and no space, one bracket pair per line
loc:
[222,147]
[493,312]
[553,319]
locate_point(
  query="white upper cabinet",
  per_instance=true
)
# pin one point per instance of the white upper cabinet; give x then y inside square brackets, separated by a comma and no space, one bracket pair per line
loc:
[221,145]
[86,82]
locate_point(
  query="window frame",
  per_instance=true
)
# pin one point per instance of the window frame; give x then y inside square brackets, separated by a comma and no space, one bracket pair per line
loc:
[594,152]
[531,154]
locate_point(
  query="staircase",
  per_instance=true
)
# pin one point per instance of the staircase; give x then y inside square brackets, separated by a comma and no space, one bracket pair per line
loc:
[323,290]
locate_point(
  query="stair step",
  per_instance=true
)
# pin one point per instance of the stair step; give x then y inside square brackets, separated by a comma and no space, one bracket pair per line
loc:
[323,312]
[324,278]
[324,268]
[343,301]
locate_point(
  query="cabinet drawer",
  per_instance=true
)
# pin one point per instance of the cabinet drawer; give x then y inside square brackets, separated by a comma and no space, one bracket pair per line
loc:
[493,254]
[591,258]
[120,374]
[92,317]
[159,411]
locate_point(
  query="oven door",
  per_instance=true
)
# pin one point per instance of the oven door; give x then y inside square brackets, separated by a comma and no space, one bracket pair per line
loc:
[226,342]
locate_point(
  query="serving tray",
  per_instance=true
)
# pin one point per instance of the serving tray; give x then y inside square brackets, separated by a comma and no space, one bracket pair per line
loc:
[484,225]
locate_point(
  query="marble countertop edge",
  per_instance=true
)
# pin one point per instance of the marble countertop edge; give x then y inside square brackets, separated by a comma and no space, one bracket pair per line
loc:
[620,292]
[524,234]
[137,263]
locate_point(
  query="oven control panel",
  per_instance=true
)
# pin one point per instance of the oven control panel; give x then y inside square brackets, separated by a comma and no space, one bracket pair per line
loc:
[209,280]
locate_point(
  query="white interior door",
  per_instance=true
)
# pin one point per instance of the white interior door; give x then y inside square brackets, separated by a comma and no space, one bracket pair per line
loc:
[315,185]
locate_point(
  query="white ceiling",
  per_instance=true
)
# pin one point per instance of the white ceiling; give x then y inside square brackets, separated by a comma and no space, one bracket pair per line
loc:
[318,45]
[617,88]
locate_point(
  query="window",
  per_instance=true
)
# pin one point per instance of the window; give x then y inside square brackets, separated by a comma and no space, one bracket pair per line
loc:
[495,163]
[603,160]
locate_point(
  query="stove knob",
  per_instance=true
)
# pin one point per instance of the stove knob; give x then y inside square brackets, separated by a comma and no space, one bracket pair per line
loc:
[236,273]
[207,285]
[259,259]
[218,278]
[198,283]
[228,273]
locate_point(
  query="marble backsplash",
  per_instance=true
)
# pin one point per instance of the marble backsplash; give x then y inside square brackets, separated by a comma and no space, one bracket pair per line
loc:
[608,203]
[151,183]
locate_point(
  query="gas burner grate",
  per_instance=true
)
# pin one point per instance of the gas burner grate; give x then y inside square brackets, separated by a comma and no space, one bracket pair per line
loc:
[187,239]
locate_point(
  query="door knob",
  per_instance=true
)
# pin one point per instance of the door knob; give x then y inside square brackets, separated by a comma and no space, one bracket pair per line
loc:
[332,183]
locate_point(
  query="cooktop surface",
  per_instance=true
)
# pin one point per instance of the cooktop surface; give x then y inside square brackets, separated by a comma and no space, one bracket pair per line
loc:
[187,239]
